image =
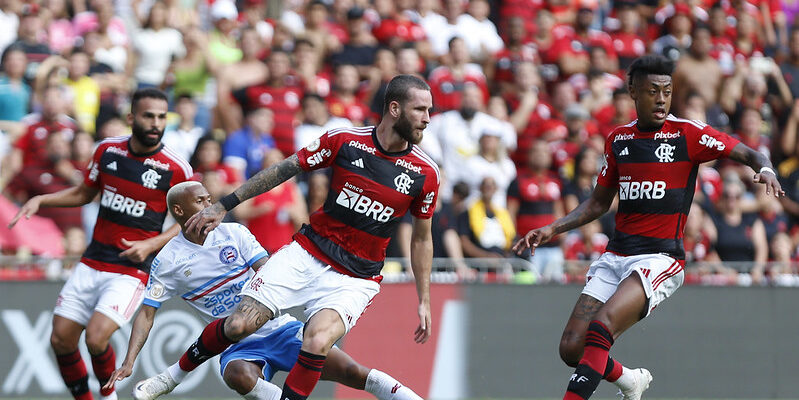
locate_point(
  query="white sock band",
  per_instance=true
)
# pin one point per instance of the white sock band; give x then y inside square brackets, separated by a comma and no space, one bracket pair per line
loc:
[264,390]
[384,387]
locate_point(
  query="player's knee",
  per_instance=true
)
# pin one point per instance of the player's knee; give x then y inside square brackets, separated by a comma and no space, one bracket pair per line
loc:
[96,342]
[317,342]
[237,327]
[239,377]
[60,344]
[571,350]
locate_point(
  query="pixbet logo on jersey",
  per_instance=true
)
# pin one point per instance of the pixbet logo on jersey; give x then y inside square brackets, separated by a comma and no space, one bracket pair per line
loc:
[642,190]
[122,204]
[351,197]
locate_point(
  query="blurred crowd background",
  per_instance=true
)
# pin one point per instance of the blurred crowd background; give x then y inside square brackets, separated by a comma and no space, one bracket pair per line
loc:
[524,91]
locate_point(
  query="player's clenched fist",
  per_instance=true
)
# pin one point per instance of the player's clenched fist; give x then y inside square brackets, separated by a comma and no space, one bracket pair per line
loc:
[532,239]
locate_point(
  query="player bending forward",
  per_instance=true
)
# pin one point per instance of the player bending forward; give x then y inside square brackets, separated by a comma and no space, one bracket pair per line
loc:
[652,163]
[196,265]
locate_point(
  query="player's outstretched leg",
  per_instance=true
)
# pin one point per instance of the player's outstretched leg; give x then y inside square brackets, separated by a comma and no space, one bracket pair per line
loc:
[98,337]
[341,368]
[245,378]
[215,338]
[321,331]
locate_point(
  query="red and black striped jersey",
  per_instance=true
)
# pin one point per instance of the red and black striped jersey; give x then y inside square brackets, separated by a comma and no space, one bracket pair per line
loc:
[132,201]
[537,196]
[370,191]
[655,174]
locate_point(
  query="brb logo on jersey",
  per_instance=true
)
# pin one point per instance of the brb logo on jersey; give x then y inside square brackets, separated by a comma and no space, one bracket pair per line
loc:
[122,204]
[150,178]
[665,152]
[711,142]
[351,197]
[228,254]
[642,190]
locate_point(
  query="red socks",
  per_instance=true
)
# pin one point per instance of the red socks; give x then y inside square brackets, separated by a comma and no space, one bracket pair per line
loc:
[104,365]
[210,343]
[73,370]
[594,365]
[303,376]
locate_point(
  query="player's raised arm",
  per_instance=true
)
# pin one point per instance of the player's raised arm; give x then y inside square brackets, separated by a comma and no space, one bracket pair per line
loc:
[589,210]
[761,164]
[138,336]
[422,264]
[262,182]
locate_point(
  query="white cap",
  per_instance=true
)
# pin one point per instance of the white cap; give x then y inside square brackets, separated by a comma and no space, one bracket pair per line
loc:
[224,9]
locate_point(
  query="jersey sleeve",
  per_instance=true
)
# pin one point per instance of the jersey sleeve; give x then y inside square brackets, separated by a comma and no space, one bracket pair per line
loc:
[425,203]
[251,250]
[321,152]
[92,174]
[161,287]
[609,174]
[513,189]
[706,143]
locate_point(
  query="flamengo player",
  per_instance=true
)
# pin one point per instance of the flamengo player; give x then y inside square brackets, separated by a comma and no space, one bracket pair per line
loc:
[652,162]
[211,271]
[134,174]
[332,267]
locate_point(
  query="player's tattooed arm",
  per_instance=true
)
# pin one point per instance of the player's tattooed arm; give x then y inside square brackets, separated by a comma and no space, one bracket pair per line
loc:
[258,264]
[248,317]
[764,171]
[269,178]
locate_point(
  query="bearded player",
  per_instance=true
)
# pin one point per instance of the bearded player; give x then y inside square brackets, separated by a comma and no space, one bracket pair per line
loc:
[133,174]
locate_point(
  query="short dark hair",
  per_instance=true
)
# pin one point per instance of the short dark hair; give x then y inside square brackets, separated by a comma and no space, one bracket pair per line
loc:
[650,64]
[397,90]
[312,96]
[146,93]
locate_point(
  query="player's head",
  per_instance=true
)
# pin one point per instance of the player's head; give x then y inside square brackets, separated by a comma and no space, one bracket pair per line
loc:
[649,82]
[407,105]
[147,116]
[186,199]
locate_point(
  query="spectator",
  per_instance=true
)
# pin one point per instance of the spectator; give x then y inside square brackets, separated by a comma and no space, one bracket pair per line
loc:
[580,132]
[395,27]
[183,138]
[783,257]
[380,75]
[15,94]
[52,173]
[316,121]
[154,48]
[343,102]
[697,71]
[721,33]
[325,35]
[544,40]
[518,48]
[698,239]
[189,75]
[244,150]
[9,23]
[479,33]
[448,81]
[486,229]
[492,161]
[409,61]
[248,71]
[790,66]
[60,32]
[676,42]
[774,219]
[573,43]
[318,187]
[582,248]
[628,42]
[207,161]
[30,149]
[222,39]
[83,92]
[308,68]
[621,111]
[741,237]
[441,32]
[534,200]
[452,137]
[274,216]
[32,40]
[446,242]
[113,35]
[280,93]
[361,48]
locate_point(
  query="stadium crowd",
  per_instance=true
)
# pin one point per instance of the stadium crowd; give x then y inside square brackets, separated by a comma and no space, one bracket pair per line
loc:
[525,93]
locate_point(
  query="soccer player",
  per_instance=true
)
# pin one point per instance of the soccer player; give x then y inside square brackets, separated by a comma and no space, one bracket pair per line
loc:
[211,271]
[134,174]
[652,163]
[333,265]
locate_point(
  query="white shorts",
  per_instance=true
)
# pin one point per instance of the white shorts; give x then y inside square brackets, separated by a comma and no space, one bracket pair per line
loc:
[293,277]
[661,275]
[116,296]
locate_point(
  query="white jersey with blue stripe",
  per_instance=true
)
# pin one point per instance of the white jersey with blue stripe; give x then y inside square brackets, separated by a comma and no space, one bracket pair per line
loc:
[208,277]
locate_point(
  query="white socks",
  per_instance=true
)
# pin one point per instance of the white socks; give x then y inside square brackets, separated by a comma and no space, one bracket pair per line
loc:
[264,390]
[112,396]
[626,380]
[384,387]
[176,373]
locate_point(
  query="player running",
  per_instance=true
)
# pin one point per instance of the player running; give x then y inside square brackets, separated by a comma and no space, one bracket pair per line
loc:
[333,265]
[134,174]
[652,163]
[211,272]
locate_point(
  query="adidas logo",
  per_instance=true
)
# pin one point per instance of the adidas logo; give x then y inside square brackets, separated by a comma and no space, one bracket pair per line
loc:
[625,152]
[358,163]
[112,166]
